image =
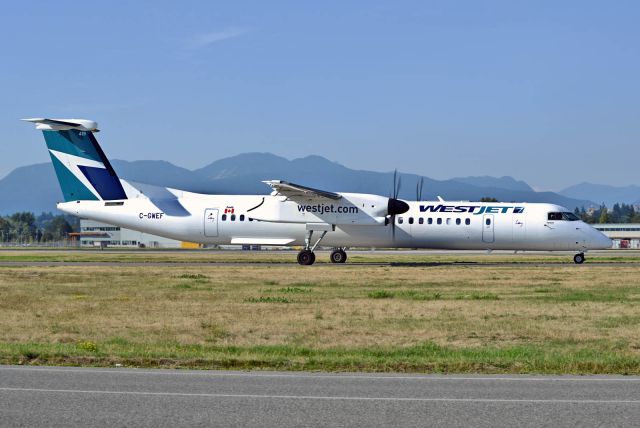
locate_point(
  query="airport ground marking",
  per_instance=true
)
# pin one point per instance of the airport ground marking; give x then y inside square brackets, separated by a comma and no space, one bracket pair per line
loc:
[350,376]
[324,397]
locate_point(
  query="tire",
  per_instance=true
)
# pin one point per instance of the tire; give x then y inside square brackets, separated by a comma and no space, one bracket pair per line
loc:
[306,258]
[578,258]
[338,256]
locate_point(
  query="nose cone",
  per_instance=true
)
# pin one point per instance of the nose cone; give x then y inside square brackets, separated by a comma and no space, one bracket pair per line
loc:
[396,206]
[599,241]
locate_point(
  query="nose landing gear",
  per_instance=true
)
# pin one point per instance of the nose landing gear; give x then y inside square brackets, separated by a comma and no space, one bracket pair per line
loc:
[579,258]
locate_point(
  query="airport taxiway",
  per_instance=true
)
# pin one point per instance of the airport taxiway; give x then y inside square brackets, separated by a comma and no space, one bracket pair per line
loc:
[65,396]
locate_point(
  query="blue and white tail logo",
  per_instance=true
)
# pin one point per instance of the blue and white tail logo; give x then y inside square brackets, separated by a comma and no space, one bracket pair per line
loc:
[83,170]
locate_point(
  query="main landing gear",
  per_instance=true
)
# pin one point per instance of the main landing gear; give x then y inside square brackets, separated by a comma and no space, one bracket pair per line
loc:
[579,258]
[338,256]
[307,257]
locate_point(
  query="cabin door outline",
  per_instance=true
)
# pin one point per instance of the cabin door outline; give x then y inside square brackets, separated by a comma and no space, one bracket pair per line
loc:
[211,222]
[488,234]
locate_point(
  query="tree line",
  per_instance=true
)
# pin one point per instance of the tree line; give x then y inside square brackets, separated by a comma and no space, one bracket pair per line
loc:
[25,227]
[620,213]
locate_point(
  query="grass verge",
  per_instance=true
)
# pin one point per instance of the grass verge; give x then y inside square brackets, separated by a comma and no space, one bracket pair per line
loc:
[425,357]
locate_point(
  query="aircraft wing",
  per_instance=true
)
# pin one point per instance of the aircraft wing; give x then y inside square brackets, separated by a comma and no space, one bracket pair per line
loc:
[293,191]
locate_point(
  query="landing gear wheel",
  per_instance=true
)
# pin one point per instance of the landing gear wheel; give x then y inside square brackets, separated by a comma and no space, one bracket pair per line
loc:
[338,256]
[579,258]
[306,257]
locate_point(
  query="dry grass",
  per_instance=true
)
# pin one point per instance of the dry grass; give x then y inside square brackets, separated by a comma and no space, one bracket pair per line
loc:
[561,309]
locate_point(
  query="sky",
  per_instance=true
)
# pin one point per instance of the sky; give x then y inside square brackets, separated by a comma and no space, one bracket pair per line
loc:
[544,91]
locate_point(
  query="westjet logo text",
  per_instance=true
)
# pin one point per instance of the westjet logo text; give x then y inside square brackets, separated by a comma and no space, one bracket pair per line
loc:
[473,209]
[325,209]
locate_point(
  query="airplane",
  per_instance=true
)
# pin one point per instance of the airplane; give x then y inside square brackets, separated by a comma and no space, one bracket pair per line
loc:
[297,215]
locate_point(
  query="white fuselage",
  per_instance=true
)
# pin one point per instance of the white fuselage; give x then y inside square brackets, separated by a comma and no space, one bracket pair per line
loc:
[355,220]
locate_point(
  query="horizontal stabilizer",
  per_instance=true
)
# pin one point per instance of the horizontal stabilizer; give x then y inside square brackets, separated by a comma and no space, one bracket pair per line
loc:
[64,124]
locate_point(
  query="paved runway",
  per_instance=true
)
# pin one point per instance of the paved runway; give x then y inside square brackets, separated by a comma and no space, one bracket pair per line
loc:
[56,396]
[26,263]
[322,256]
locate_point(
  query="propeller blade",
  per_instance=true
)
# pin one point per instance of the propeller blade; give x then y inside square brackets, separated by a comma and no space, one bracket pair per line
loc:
[393,227]
[419,186]
[395,183]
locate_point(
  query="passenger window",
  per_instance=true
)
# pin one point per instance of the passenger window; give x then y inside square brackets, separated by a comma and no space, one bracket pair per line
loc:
[400,220]
[420,220]
[439,221]
[410,220]
[488,222]
[429,220]
[233,217]
[448,221]
[458,221]
[250,219]
[467,221]
[554,216]
[224,217]
[241,217]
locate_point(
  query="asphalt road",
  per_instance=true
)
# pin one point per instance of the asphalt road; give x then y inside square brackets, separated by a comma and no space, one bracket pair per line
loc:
[56,396]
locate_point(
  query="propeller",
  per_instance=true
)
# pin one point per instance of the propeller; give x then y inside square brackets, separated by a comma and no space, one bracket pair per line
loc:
[395,206]
[419,186]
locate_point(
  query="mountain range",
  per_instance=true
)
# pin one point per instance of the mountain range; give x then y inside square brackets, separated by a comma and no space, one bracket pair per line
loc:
[602,193]
[35,187]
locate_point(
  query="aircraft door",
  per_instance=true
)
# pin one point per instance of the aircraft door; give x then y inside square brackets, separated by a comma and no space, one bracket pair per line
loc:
[519,229]
[211,222]
[487,228]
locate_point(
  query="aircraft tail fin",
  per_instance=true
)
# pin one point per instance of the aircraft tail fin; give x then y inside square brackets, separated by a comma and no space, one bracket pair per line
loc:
[83,170]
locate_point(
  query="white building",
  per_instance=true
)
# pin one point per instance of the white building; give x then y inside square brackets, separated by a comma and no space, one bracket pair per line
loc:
[94,233]
[624,235]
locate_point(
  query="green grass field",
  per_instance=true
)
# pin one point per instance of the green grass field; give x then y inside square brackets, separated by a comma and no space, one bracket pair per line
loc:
[422,314]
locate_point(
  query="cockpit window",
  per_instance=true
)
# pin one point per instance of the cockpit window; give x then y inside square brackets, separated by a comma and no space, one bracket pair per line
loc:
[570,217]
[554,216]
[562,216]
